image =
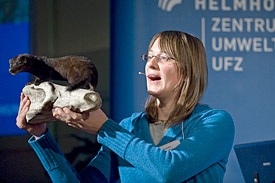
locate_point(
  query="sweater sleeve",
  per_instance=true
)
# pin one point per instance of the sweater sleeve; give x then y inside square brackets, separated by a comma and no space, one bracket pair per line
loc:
[209,141]
[57,166]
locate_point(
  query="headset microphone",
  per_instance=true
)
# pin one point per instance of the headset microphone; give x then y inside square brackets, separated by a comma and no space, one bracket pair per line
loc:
[141,73]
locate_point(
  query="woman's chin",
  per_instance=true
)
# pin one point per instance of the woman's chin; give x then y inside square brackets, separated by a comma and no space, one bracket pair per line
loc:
[153,93]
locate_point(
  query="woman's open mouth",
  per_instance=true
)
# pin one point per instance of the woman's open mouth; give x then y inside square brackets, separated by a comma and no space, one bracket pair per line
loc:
[153,77]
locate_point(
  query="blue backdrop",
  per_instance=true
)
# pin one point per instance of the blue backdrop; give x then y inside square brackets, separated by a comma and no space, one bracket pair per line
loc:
[14,40]
[240,43]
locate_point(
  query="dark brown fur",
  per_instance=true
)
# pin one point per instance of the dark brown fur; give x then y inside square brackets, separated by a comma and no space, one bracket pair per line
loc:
[79,71]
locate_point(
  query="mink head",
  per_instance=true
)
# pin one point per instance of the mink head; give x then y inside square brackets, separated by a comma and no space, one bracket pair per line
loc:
[20,63]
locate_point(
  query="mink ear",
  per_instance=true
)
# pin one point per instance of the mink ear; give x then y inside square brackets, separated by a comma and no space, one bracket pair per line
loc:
[22,58]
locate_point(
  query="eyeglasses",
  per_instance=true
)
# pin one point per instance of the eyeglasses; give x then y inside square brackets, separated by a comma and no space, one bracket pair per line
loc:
[160,58]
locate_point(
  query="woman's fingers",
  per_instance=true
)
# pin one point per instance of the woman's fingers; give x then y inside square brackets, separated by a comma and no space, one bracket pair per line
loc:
[67,115]
[75,125]
[73,115]
[90,122]
[23,109]
[22,102]
[58,113]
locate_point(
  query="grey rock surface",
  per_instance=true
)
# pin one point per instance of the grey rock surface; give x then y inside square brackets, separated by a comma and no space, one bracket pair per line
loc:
[47,96]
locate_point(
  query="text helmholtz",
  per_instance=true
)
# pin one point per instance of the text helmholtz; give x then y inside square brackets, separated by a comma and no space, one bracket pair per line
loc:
[235,5]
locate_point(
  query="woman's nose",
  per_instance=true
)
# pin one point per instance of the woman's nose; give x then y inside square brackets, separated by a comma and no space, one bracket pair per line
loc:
[152,61]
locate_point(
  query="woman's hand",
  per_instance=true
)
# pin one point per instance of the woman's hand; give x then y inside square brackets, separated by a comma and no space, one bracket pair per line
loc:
[90,122]
[34,129]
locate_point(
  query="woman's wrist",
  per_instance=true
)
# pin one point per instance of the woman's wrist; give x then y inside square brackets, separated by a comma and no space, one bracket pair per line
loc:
[37,135]
[100,125]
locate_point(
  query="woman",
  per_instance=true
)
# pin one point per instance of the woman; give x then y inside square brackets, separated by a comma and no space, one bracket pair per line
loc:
[175,140]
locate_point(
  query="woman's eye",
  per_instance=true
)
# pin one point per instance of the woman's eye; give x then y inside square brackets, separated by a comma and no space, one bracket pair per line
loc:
[165,58]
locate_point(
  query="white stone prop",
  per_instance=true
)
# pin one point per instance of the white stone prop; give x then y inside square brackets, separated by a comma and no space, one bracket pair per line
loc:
[47,96]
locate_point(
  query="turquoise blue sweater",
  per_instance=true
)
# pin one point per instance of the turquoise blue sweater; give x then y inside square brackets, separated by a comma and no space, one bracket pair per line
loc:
[128,153]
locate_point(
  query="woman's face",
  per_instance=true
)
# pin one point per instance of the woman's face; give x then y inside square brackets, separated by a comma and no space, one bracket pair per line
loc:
[161,76]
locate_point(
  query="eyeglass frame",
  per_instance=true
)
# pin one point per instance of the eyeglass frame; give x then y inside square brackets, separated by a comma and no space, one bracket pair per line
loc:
[159,58]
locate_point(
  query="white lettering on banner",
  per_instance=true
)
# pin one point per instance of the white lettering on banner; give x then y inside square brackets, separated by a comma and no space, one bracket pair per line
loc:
[247,34]
[255,44]
[235,5]
[226,63]
[243,24]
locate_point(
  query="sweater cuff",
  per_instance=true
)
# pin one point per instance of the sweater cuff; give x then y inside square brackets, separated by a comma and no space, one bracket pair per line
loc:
[115,137]
[47,150]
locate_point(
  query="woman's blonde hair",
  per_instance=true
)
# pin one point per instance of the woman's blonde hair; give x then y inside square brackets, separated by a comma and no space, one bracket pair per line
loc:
[189,53]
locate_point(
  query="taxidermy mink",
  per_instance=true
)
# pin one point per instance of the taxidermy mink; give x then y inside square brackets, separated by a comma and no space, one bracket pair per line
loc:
[79,71]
